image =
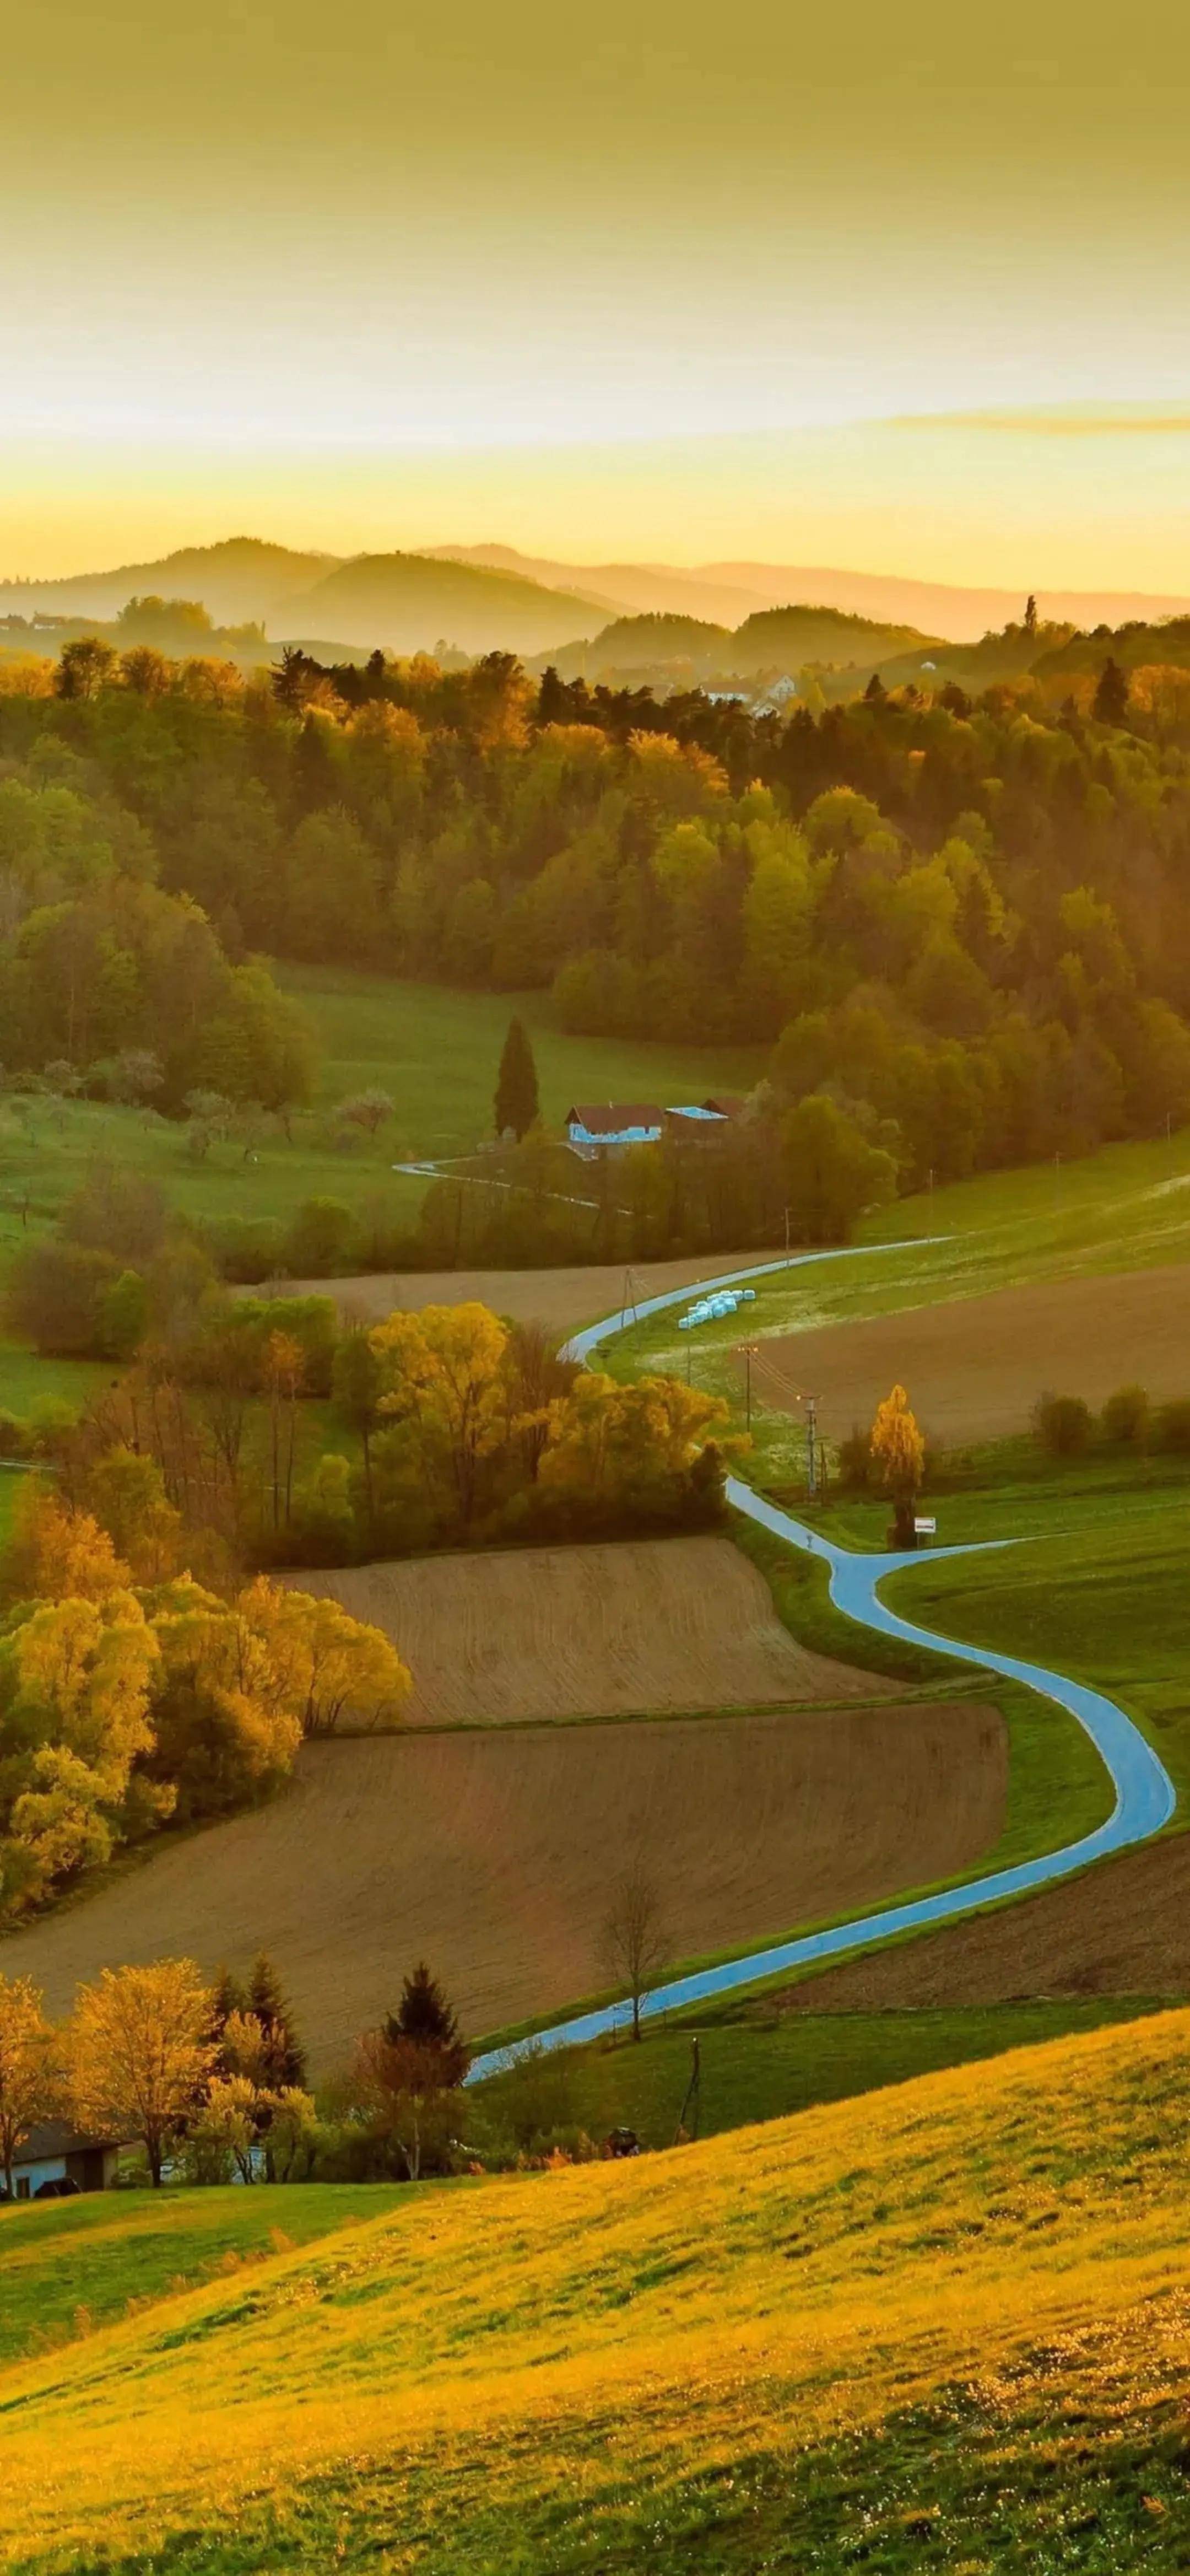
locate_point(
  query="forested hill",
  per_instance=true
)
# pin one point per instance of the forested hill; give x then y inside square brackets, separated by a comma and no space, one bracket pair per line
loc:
[405,602]
[965,920]
[241,578]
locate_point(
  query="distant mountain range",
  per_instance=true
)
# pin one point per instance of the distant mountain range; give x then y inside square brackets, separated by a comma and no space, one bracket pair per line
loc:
[485,598]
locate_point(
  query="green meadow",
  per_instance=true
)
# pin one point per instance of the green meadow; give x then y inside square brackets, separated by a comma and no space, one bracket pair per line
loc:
[436,1053]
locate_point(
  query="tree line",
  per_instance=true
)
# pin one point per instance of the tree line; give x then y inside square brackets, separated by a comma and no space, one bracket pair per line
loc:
[964,920]
[208,2080]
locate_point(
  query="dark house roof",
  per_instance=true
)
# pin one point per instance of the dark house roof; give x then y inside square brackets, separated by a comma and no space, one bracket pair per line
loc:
[727,1104]
[57,2138]
[612,1117]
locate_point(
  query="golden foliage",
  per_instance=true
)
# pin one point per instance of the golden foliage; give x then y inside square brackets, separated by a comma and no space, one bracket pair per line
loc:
[56,1553]
[28,2072]
[139,2053]
[898,1450]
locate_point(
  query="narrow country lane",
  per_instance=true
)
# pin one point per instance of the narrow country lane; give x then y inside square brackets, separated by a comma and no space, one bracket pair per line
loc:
[1145,1798]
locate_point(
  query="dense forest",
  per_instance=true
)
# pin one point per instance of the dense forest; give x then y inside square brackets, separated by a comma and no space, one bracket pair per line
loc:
[965,921]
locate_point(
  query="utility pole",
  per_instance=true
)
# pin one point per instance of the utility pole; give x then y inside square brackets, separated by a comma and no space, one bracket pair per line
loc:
[787,1237]
[750,1351]
[693,2092]
[811,1458]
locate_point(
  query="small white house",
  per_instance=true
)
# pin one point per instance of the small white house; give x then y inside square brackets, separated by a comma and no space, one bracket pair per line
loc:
[55,2153]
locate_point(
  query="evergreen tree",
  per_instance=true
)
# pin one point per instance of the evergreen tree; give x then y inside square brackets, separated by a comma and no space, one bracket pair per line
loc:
[286,2063]
[227,1997]
[1111,696]
[875,693]
[516,1084]
[1031,615]
[423,2011]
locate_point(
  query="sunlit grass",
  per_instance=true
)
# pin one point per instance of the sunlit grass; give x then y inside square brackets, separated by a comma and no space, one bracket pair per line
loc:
[954,2315]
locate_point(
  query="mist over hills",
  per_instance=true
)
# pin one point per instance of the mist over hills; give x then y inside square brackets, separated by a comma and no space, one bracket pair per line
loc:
[488,597]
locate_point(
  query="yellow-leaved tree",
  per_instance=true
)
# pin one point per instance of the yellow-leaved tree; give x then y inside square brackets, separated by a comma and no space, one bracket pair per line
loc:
[56,1554]
[29,2079]
[898,1456]
[445,1395]
[140,2054]
[326,1665]
[651,1446]
[76,1681]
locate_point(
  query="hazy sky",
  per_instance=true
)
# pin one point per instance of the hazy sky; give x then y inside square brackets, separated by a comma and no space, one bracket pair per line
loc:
[389,275]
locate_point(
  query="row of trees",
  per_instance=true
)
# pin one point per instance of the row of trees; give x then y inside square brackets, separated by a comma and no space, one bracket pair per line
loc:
[252,1430]
[214,2077]
[210,2081]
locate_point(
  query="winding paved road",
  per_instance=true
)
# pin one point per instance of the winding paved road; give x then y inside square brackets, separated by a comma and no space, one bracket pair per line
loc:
[1145,1797]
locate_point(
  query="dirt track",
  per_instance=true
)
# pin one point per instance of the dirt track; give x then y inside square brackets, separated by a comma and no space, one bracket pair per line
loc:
[492,1855]
[975,1369]
[559,1299]
[649,1624]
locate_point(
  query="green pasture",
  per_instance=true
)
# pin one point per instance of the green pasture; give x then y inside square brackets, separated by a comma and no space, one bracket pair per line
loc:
[1097,1586]
[69,2265]
[436,1053]
[756,2064]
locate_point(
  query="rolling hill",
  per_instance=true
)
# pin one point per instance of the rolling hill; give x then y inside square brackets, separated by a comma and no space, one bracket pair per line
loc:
[942,2326]
[770,640]
[406,603]
[240,579]
[245,577]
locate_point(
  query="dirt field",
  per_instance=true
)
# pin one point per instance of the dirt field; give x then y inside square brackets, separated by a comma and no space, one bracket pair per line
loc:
[553,1632]
[559,1299]
[974,1370]
[492,1855]
[1121,1929]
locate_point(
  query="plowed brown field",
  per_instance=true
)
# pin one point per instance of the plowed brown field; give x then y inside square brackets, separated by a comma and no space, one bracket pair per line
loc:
[559,1299]
[975,1369]
[491,1854]
[550,1632]
[1121,1929]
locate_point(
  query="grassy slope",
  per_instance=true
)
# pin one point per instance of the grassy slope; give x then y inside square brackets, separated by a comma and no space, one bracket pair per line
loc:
[69,2266]
[757,2064]
[945,2328]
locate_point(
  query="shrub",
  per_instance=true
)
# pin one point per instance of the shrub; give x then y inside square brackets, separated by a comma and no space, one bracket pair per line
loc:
[855,1461]
[123,1316]
[319,1237]
[1171,1427]
[1125,1418]
[55,1298]
[1062,1424]
[249,1249]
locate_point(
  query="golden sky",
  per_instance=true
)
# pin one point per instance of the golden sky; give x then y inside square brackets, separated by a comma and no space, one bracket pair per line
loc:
[897,288]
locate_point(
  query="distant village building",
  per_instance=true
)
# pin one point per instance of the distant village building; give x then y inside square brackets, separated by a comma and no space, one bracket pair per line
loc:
[55,2155]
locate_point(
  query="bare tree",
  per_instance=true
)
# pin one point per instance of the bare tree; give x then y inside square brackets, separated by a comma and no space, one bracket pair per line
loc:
[634,1945]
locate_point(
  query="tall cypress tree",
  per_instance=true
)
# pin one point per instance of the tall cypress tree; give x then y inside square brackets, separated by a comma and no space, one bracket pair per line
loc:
[516,1084]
